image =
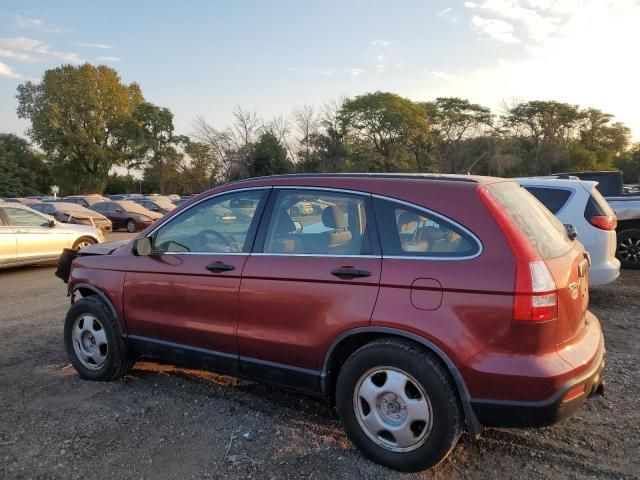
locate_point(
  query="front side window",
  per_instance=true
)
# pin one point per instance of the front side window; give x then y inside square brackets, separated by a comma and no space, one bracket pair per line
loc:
[24,218]
[213,226]
[408,231]
[306,222]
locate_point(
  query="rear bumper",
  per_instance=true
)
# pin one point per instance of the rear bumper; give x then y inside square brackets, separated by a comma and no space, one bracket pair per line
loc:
[604,272]
[505,413]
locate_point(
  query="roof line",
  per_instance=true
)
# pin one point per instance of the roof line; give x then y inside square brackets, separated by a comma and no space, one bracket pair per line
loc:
[417,176]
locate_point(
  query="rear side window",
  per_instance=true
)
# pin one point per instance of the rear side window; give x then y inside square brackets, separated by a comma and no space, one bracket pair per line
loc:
[406,231]
[540,226]
[597,206]
[552,198]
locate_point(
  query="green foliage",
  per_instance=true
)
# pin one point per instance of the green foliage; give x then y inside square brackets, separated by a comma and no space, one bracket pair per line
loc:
[78,116]
[269,157]
[22,170]
[122,184]
[389,122]
[629,163]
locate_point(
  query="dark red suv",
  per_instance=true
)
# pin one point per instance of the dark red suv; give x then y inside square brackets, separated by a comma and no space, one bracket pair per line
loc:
[421,305]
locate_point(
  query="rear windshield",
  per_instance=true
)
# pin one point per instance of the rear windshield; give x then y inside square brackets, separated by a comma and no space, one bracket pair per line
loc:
[597,206]
[552,198]
[540,226]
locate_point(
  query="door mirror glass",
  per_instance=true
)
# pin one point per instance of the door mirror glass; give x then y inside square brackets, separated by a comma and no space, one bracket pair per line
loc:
[143,247]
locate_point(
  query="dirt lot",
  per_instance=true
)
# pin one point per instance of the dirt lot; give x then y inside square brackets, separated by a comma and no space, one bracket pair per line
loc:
[161,422]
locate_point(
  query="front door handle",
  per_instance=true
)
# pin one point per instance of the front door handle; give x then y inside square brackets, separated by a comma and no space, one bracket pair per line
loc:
[219,267]
[350,273]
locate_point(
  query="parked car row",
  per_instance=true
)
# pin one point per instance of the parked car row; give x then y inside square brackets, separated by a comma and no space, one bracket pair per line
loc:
[30,237]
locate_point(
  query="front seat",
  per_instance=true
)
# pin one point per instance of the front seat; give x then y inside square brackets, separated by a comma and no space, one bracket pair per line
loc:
[283,240]
[338,240]
[411,233]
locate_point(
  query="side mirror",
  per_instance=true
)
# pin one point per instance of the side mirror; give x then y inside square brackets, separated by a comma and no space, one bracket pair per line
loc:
[143,247]
[298,226]
[119,210]
[52,223]
[572,233]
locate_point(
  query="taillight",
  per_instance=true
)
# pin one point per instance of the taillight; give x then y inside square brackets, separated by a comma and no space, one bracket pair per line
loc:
[604,222]
[535,296]
[536,299]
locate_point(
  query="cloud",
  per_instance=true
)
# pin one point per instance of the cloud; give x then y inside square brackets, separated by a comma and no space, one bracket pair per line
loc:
[497,29]
[327,72]
[32,50]
[30,23]
[101,46]
[444,12]
[586,61]
[7,71]
[381,43]
[440,75]
[104,58]
[355,72]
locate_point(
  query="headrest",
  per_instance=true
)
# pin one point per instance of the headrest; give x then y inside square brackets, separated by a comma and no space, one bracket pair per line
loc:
[407,218]
[333,217]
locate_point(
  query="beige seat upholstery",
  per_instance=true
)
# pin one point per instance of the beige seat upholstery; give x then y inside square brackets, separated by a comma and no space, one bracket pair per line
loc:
[410,233]
[339,238]
[283,240]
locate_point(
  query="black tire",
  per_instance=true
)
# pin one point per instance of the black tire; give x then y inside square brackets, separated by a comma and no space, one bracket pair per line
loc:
[446,417]
[83,242]
[119,359]
[628,249]
[131,225]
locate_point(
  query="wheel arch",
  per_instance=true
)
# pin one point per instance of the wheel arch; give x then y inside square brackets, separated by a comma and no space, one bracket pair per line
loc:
[87,290]
[348,342]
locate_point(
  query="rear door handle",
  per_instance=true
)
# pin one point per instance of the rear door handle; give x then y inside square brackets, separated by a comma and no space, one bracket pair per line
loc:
[350,273]
[219,267]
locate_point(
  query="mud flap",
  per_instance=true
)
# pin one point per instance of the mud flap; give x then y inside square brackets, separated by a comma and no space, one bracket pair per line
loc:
[64,264]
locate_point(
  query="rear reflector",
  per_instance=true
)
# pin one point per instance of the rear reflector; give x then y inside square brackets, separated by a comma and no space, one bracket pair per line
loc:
[604,223]
[574,393]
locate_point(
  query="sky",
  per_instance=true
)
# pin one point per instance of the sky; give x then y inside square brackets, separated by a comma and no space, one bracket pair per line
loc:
[270,56]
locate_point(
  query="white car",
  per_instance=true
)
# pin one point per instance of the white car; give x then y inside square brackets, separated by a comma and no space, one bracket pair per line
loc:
[28,237]
[579,203]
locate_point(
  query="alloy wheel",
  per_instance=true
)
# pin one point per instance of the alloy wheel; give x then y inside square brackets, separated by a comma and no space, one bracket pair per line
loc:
[629,250]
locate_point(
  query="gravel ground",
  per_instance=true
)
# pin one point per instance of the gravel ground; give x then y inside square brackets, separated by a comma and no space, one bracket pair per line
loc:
[163,422]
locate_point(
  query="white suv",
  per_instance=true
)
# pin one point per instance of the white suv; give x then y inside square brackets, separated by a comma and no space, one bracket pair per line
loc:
[578,202]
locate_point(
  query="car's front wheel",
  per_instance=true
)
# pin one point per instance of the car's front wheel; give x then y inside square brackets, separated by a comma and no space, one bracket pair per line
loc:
[83,242]
[398,406]
[93,342]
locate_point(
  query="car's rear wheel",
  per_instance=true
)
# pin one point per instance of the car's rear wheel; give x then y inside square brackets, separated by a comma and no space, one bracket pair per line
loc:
[398,406]
[93,342]
[628,251]
[83,242]
[132,226]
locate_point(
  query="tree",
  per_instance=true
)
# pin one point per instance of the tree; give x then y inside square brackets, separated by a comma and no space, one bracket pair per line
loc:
[545,129]
[269,157]
[388,121]
[153,139]
[77,115]
[629,163]
[22,170]
[454,120]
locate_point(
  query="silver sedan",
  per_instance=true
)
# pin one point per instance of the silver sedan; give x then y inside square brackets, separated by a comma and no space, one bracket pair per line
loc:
[28,237]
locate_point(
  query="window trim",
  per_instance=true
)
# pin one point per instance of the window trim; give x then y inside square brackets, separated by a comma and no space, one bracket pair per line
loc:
[552,187]
[263,227]
[432,213]
[251,233]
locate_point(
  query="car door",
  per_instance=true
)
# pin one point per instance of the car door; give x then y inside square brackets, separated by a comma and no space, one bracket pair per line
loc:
[185,294]
[36,238]
[7,242]
[310,277]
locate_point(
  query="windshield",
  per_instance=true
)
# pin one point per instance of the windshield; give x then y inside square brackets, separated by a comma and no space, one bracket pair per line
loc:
[129,206]
[540,226]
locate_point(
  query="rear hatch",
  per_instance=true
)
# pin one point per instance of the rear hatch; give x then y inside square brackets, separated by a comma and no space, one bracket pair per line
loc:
[538,238]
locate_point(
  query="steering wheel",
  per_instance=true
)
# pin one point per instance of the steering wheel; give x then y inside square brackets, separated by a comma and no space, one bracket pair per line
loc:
[202,243]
